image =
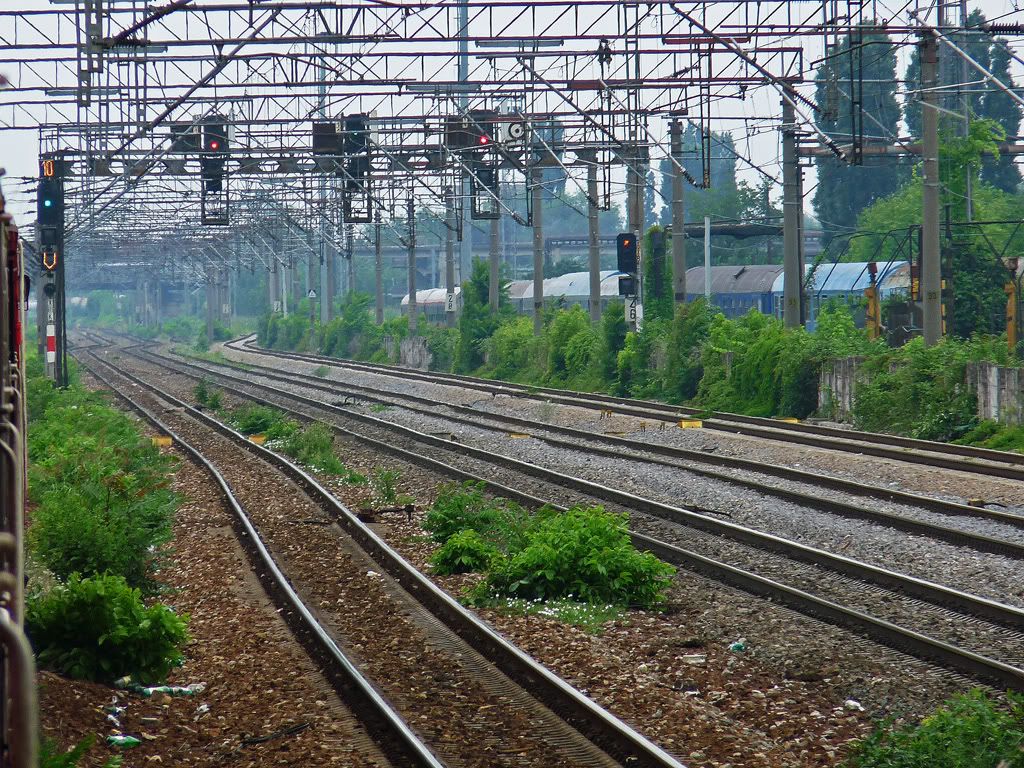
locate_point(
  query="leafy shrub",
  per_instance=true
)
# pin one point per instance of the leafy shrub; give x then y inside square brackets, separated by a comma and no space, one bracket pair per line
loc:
[255,419]
[465,507]
[321,371]
[102,495]
[917,391]
[684,366]
[586,554]
[464,552]
[98,629]
[970,731]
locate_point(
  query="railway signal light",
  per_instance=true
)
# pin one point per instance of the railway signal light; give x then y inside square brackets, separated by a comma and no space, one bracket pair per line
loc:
[50,203]
[625,251]
[215,149]
[48,260]
[626,261]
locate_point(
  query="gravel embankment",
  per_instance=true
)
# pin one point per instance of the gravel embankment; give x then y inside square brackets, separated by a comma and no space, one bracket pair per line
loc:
[814,652]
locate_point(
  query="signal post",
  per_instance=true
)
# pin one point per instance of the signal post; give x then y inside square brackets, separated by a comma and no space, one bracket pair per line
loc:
[50,229]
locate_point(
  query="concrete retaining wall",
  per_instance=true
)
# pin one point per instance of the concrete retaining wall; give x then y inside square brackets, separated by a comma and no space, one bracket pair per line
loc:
[835,387]
[1000,392]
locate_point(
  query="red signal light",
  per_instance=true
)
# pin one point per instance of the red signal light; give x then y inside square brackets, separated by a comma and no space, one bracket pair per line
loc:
[214,145]
[485,140]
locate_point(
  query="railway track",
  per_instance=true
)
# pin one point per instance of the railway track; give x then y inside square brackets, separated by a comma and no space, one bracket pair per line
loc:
[581,734]
[969,459]
[690,461]
[964,618]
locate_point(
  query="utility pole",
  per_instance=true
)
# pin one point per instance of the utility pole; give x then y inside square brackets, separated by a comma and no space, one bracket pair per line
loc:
[536,175]
[378,272]
[792,214]
[931,262]
[494,259]
[466,245]
[211,298]
[449,258]
[594,250]
[678,235]
[411,215]
[350,255]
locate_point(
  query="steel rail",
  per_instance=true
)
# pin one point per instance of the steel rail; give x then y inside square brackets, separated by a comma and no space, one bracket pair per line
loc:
[847,486]
[877,629]
[603,728]
[931,592]
[979,542]
[773,429]
[395,736]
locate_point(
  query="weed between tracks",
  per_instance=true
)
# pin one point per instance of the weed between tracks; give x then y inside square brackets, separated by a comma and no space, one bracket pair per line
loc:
[578,566]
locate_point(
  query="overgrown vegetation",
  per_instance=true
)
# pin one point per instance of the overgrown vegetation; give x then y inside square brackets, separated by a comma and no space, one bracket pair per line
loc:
[99,629]
[101,491]
[582,556]
[102,510]
[970,731]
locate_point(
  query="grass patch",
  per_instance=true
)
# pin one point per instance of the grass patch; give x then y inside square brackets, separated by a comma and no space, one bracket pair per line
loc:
[969,731]
[379,407]
[322,372]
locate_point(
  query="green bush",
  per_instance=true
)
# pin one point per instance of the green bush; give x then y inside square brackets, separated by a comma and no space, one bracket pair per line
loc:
[98,629]
[101,490]
[584,554]
[464,552]
[510,348]
[466,507]
[917,391]
[255,419]
[970,731]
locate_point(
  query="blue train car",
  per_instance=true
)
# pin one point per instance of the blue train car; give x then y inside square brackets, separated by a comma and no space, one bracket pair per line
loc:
[844,281]
[736,289]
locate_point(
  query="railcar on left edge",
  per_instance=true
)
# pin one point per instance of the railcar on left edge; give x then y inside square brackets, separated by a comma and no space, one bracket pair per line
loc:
[17,670]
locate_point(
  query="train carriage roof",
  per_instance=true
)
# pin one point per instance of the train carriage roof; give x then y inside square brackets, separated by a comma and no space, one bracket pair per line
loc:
[734,278]
[844,277]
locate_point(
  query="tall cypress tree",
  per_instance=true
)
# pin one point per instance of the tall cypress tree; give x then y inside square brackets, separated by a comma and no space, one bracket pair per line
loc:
[844,190]
[1001,172]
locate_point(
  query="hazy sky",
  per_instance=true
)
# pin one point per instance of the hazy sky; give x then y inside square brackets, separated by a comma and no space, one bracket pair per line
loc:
[19,150]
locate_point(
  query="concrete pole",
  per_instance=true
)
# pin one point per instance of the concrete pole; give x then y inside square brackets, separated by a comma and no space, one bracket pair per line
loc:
[494,260]
[449,257]
[792,213]
[332,280]
[378,273]
[594,250]
[466,246]
[211,299]
[931,263]
[325,311]
[678,235]
[411,214]
[350,255]
[538,251]
[494,263]
[707,258]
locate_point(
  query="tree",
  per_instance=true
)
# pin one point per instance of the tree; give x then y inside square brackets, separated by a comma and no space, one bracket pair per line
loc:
[477,322]
[975,272]
[845,190]
[1001,172]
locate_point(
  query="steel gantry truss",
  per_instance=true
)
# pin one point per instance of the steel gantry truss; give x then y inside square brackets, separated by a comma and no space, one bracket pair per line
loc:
[593,86]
